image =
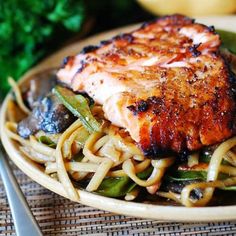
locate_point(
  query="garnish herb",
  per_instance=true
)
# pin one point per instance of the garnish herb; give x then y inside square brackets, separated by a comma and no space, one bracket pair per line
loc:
[47,141]
[120,186]
[78,105]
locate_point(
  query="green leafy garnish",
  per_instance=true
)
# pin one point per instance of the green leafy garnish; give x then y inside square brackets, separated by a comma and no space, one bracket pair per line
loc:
[187,175]
[47,141]
[78,105]
[78,157]
[116,187]
[120,186]
[180,175]
[206,158]
[228,40]
[229,188]
[31,29]
[146,173]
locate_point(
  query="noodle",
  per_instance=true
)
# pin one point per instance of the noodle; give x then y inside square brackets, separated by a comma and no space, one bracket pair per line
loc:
[209,188]
[231,158]
[170,195]
[36,156]
[100,142]
[17,92]
[89,148]
[73,166]
[108,150]
[41,148]
[10,129]
[120,144]
[228,170]
[112,153]
[138,168]
[132,194]
[61,169]
[213,170]
[14,113]
[217,157]
[99,175]
[156,175]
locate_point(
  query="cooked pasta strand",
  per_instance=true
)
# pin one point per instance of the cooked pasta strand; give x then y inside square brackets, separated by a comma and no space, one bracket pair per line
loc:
[73,166]
[113,153]
[41,148]
[132,194]
[61,169]
[99,175]
[17,93]
[138,168]
[88,148]
[185,194]
[10,129]
[170,195]
[36,156]
[212,174]
[217,157]
[129,169]
[230,157]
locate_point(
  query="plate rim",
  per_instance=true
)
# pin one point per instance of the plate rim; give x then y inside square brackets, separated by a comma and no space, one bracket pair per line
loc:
[142,210]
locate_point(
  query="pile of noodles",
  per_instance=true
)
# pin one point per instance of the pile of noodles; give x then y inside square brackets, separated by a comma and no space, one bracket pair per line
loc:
[112,153]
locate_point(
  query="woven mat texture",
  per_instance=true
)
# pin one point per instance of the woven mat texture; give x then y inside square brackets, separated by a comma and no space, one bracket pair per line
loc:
[59,216]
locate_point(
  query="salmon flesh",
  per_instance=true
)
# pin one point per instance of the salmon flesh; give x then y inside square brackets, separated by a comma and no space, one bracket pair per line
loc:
[166,83]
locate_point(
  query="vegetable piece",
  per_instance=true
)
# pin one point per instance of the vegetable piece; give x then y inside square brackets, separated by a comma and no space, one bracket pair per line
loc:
[78,157]
[120,186]
[182,175]
[47,141]
[78,105]
[116,187]
[49,115]
[206,157]
[229,188]
[228,40]
[146,173]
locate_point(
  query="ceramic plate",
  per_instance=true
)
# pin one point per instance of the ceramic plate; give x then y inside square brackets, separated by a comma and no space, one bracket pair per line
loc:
[159,212]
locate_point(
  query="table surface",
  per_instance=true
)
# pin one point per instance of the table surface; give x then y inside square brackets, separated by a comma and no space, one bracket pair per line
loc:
[59,216]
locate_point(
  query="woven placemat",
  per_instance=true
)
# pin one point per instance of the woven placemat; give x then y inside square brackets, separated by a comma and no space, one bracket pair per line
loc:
[59,216]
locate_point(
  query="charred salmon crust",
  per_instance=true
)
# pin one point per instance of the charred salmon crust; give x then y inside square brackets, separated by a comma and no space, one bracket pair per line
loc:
[166,83]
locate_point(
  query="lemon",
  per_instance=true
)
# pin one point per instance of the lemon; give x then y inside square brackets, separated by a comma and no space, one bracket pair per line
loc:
[189,7]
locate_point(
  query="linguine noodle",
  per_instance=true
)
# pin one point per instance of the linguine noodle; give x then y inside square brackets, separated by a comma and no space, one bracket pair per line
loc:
[112,153]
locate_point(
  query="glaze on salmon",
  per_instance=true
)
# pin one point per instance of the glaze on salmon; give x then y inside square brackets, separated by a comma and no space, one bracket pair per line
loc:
[166,83]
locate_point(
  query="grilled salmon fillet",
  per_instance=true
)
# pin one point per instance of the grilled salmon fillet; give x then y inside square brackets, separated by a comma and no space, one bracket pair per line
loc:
[166,83]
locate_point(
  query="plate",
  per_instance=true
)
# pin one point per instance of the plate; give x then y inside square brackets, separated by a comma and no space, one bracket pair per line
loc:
[151,211]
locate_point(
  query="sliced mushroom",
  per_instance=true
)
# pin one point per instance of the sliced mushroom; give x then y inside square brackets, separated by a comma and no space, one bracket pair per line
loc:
[49,115]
